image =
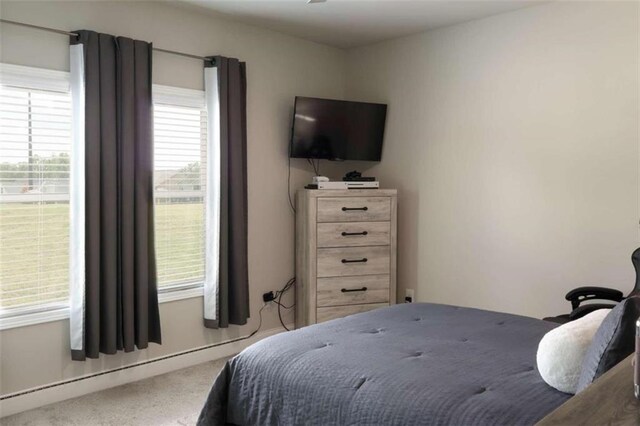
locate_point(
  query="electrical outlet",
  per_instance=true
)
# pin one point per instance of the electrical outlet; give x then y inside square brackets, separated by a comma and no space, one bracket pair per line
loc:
[408,295]
[268,297]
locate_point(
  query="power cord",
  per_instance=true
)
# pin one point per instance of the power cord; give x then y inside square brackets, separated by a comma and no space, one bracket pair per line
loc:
[278,300]
[316,166]
[293,208]
[253,333]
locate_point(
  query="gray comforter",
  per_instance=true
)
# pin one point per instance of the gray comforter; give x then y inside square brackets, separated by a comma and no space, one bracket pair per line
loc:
[409,364]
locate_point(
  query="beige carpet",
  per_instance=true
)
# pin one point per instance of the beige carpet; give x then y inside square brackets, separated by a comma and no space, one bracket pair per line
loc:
[170,399]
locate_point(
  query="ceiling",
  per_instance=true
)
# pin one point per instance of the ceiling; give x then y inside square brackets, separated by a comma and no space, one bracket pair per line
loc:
[354,23]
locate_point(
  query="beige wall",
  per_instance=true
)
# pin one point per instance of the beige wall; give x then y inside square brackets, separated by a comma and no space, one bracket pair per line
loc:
[514,143]
[279,67]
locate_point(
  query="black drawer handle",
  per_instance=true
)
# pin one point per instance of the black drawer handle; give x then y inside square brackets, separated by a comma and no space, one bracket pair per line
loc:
[346,209]
[355,260]
[346,234]
[350,290]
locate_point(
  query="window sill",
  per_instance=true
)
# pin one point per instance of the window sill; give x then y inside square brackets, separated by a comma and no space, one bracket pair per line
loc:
[60,313]
[30,318]
[173,294]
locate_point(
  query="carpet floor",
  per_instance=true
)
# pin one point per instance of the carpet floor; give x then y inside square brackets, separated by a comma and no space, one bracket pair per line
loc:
[169,399]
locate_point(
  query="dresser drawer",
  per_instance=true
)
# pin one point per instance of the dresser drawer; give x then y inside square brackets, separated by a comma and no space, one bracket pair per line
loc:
[326,314]
[354,209]
[337,262]
[352,234]
[337,291]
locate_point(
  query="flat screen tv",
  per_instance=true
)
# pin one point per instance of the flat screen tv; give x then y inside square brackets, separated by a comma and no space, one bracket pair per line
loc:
[337,130]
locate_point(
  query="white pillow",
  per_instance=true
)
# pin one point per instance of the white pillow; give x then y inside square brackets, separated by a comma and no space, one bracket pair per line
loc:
[561,351]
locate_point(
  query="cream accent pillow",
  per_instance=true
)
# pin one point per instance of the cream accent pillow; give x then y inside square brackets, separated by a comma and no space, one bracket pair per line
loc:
[562,350]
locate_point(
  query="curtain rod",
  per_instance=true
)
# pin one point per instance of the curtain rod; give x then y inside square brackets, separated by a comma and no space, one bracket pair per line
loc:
[54,30]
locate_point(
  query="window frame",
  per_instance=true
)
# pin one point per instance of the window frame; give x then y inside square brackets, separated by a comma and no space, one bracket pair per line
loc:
[45,79]
[31,78]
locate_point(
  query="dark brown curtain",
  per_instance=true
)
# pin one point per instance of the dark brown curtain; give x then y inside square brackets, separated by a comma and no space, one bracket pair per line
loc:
[233,280]
[121,301]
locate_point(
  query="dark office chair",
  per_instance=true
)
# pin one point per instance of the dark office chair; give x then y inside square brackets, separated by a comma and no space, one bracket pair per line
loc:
[582,294]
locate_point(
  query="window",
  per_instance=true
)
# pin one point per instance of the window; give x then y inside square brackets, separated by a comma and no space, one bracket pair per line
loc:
[180,137]
[35,143]
[35,150]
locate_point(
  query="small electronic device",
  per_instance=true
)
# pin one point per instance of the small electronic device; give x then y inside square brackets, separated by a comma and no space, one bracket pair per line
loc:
[318,179]
[328,185]
[343,185]
[363,185]
[332,185]
[356,176]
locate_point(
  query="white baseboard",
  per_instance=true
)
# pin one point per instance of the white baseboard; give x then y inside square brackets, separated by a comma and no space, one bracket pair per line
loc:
[73,388]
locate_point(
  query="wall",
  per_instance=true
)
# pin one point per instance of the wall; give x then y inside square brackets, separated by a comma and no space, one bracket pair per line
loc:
[278,67]
[514,143]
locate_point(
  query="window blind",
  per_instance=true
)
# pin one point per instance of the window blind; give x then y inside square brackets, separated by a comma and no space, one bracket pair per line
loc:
[35,148]
[35,144]
[179,184]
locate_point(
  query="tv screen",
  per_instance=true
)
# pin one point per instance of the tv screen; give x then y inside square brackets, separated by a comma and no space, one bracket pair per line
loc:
[337,130]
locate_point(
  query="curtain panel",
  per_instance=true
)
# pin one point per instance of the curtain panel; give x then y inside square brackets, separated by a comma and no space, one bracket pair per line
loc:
[114,301]
[226,287]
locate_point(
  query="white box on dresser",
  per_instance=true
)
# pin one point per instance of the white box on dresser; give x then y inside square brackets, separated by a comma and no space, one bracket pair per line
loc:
[346,243]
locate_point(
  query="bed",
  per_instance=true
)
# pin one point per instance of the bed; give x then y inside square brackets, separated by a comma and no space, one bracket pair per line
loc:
[408,364]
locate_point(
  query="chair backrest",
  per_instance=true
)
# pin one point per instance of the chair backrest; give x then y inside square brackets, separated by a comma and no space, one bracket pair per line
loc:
[635,258]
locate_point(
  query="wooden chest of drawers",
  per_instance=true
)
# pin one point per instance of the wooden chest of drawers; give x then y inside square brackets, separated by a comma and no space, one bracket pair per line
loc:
[345,252]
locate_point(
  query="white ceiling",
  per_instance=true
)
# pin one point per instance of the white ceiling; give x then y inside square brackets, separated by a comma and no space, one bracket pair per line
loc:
[353,23]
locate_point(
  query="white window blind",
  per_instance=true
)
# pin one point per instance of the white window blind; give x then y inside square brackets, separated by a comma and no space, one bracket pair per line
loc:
[35,147]
[180,135]
[35,143]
